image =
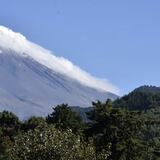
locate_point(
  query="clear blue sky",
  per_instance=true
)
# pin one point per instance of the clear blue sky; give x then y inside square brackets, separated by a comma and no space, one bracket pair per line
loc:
[114,39]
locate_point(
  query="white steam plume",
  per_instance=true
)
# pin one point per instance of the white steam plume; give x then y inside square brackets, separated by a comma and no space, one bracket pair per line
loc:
[16,42]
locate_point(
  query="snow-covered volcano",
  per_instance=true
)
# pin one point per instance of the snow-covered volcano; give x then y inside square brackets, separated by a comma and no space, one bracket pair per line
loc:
[32,79]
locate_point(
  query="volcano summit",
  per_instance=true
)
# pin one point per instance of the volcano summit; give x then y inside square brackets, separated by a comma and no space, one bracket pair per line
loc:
[32,79]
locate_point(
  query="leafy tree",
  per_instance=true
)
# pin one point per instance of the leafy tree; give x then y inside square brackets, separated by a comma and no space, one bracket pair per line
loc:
[118,127]
[9,127]
[64,118]
[32,123]
[8,119]
[151,133]
[49,143]
[5,144]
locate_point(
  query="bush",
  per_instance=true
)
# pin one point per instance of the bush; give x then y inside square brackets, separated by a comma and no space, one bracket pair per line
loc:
[49,143]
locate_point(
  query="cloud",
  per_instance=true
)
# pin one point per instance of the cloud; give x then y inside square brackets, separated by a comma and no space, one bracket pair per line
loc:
[16,42]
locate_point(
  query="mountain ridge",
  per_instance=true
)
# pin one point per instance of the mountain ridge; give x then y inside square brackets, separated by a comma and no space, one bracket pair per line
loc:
[15,43]
[142,98]
[29,87]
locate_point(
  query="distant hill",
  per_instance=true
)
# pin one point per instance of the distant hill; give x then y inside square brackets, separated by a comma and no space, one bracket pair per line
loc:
[148,89]
[142,98]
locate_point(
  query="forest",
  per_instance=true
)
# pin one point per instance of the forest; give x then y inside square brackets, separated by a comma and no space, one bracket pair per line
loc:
[125,129]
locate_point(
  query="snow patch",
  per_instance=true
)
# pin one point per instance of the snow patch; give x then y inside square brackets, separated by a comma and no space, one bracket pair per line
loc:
[12,41]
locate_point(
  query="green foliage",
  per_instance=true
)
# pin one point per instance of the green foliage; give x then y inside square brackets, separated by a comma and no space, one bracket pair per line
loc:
[109,132]
[148,89]
[64,118]
[9,127]
[32,123]
[151,133]
[143,98]
[5,144]
[8,119]
[49,143]
[117,127]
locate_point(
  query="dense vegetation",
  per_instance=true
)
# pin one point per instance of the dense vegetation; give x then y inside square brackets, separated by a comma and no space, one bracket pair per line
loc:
[142,98]
[126,129]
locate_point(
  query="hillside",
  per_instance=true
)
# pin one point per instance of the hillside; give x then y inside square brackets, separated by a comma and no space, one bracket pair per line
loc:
[33,80]
[142,98]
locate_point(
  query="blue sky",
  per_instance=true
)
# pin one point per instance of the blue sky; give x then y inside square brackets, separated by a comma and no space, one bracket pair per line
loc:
[116,40]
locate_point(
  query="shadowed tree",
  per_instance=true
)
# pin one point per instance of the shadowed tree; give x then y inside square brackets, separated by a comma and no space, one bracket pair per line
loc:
[64,118]
[117,127]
